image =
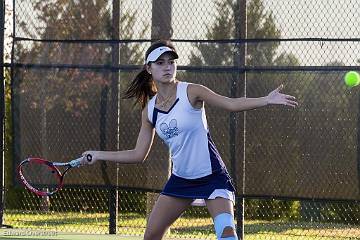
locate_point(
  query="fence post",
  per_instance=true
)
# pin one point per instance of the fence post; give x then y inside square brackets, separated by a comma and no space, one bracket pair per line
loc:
[161,19]
[2,109]
[239,82]
[115,60]
[160,29]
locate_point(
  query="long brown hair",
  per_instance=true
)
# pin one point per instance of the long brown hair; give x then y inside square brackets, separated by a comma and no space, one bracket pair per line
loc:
[142,88]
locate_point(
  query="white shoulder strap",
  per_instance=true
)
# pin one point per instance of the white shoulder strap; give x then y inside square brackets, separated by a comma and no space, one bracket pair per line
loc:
[150,108]
[183,90]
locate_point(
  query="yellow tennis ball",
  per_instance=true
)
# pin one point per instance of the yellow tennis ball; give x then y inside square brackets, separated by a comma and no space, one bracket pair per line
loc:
[352,79]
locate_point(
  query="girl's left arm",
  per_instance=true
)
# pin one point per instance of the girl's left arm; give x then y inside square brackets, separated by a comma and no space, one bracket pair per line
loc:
[199,94]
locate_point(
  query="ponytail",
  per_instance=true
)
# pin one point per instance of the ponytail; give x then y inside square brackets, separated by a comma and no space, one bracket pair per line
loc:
[142,88]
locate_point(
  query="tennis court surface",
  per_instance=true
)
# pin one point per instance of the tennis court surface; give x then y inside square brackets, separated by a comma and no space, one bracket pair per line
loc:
[53,235]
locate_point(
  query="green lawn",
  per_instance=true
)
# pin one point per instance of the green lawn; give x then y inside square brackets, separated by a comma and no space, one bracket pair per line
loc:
[184,228]
[49,235]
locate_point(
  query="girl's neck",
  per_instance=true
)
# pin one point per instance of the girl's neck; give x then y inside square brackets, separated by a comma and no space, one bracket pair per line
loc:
[166,94]
[167,89]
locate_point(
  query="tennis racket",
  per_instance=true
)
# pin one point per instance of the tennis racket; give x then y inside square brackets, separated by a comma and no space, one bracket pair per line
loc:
[43,177]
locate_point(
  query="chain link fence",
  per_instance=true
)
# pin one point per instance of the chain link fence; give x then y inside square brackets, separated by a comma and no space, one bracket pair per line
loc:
[296,172]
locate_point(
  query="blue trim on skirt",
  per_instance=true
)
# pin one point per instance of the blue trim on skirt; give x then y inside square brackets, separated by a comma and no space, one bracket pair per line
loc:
[199,188]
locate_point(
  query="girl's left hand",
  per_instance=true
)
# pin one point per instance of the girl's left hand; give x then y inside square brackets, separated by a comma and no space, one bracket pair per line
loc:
[275,97]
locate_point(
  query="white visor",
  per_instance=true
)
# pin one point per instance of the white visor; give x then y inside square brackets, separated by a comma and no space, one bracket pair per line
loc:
[157,52]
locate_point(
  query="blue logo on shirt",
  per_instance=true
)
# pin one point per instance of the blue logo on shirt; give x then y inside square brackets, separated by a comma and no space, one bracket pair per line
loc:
[171,130]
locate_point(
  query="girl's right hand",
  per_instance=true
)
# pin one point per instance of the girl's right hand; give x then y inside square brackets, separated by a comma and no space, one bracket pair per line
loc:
[90,157]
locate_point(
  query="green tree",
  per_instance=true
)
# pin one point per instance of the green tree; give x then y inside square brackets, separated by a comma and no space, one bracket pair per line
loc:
[313,89]
[50,97]
[329,119]
[74,20]
[260,25]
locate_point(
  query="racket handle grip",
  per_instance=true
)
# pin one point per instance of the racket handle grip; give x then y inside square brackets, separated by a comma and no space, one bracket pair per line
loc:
[89,157]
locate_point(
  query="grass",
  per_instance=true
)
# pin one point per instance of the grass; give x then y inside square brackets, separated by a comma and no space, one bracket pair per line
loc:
[132,224]
[51,235]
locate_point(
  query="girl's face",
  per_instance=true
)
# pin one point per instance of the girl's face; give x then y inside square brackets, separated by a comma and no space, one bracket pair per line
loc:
[163,70]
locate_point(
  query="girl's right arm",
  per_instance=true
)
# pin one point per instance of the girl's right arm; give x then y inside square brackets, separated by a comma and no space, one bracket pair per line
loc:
[136,155]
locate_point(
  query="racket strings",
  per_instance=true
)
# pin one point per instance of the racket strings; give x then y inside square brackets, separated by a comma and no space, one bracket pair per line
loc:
[41,176]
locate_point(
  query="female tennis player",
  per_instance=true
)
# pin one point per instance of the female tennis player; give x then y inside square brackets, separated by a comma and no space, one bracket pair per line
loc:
[176,112]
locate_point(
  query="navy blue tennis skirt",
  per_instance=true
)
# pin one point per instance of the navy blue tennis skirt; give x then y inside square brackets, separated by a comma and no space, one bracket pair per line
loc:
[198,188]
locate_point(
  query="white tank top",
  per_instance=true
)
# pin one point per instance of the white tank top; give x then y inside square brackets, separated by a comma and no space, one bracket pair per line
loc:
[185,131]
